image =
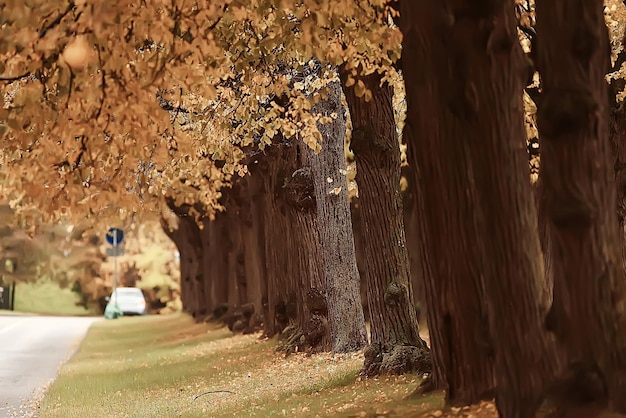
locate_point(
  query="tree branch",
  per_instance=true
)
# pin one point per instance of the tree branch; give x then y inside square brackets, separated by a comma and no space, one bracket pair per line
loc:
[57,20]
[15,78]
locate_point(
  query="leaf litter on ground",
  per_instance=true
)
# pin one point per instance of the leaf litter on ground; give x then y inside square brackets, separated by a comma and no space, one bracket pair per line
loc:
[158,366]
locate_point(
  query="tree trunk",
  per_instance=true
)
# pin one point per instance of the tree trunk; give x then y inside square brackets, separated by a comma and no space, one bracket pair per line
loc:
[296,289]
[545,235]
[395,343]
[312,320]
[359,250]
[237,294]
[328,168]
[235,276]
[486,69]
[195,257]
[189,243]
[457,319]
[178,237]
[414,244]
[221,245]
[589,287]
[252,238]
[274,168]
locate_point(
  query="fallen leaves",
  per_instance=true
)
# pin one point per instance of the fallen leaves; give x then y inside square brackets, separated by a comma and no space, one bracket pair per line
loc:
[485,409]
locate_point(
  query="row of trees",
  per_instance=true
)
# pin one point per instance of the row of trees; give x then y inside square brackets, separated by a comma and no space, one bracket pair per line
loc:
[283,253]
[523,284]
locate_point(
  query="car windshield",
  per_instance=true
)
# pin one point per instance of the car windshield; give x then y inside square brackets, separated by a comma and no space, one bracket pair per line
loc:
[127,293]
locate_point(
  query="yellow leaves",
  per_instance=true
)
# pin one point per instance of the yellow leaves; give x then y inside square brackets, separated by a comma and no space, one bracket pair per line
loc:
[240,13]
[233,65]
[359,88]
[321,19]
[27,95]
[361,91]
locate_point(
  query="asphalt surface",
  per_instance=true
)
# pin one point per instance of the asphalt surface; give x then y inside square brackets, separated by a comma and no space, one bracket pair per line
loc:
[32,349]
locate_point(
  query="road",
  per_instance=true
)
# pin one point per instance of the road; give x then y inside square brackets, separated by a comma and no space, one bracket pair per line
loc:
[32,348]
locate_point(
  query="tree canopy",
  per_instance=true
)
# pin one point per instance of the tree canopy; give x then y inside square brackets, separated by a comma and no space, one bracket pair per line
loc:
[108,108]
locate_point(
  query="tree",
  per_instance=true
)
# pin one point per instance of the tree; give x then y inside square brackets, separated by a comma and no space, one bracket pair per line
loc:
[477,130]
[573,122]
[395,343]
[177,234]
[328,167]
[186,235]
[462,361]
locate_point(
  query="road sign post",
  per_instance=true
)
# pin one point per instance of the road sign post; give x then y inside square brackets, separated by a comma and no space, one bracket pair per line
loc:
[115,236]
[115,268]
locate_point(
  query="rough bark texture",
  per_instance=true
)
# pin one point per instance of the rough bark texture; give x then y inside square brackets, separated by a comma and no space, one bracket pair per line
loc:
[359,249]
[191,261]
[252,238]
[195,256]
[457,318]
[393,321]
[277,239]
[236,258]
[466,66]
[545,235]
[312,330]
[414,244]
[485,102]
[328,167]
[178,236]
[215,245]
[587,311]
[236,278]
[296,292]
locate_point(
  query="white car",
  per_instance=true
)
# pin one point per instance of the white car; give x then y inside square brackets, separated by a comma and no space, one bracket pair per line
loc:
[129,300]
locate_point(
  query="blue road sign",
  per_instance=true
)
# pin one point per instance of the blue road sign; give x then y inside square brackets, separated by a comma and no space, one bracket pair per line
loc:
[115,236]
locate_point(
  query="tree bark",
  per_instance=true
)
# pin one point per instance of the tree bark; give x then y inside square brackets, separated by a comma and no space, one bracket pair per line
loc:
[485,102]
[466,64]
[215,246]
[589,288]
[236,275]
[195,257]
[252,238]
[457,319]
[178,237]
[191,260]
[297,291]
[233,223]
[328,167]
[395,343]
[312,324]
[359,250]
[414,244]
[271,169]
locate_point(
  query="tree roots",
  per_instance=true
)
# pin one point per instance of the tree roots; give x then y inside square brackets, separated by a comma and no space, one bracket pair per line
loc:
[400,359]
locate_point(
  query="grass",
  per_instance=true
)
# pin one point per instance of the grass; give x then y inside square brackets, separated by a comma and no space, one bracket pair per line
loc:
[7,312]
[169,366]
[155,366]
[47,298]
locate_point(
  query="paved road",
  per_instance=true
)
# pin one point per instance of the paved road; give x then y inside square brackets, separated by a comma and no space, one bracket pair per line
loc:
[32,348]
